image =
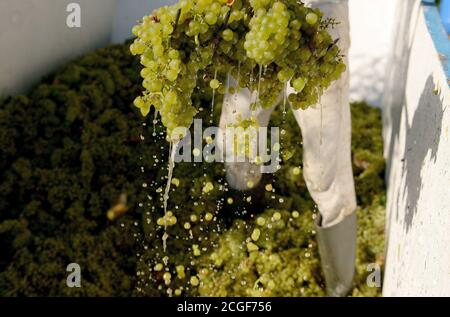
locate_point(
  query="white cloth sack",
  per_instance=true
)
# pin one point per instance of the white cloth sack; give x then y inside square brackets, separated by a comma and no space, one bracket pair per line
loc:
[326,130]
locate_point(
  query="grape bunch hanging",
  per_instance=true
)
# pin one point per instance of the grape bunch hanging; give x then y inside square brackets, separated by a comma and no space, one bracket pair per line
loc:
[263,44]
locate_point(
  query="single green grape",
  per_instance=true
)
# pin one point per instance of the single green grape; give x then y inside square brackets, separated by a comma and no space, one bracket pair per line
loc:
[228,35]
[312,18]
[299,84]
[214,84]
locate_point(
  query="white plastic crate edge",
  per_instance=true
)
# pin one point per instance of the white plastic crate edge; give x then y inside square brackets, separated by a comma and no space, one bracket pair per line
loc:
[417,149]
[35,39]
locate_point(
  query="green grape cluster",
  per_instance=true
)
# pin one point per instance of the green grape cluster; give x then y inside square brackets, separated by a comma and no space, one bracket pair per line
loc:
[195,45]
[242,145]
[269,28]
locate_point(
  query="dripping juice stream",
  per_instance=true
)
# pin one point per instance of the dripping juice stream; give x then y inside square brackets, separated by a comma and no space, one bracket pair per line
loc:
[171,165]
[259,85]
[155,121]
[213,100]
[236,92]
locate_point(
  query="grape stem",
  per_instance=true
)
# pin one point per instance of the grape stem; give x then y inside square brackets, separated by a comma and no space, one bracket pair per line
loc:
[333,44]
[175,24]
[215,40]
[155,18]
[329,22]
[226,20]
[177,21]
[223,27]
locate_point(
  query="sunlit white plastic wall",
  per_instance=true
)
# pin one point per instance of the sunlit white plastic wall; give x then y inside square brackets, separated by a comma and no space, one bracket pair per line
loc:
[372,25]
[35,39]
[416,110]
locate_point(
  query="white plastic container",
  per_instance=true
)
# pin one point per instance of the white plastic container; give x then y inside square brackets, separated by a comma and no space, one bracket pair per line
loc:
[35,38]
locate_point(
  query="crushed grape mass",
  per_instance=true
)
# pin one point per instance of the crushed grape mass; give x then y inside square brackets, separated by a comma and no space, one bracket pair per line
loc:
[70,148]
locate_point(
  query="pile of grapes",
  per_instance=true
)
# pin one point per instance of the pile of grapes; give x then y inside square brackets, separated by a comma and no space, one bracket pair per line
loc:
[197,45]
